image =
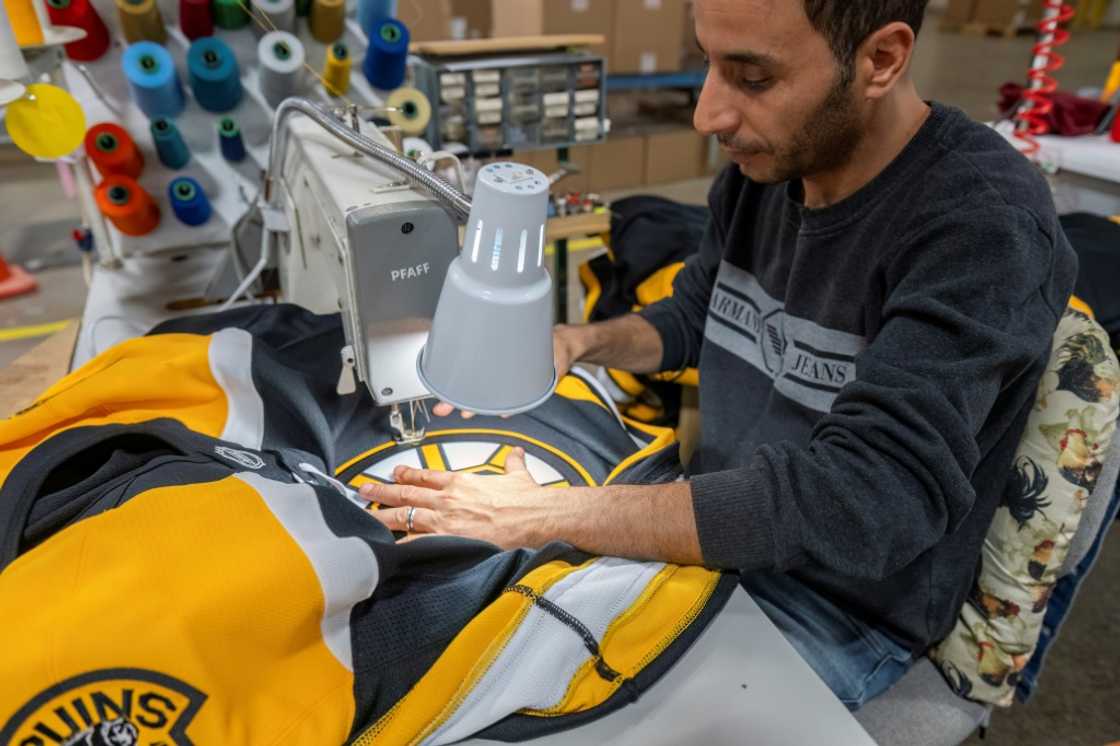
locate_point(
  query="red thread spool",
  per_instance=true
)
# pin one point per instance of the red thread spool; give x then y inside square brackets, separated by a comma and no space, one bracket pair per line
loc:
[195,18]
[83,15]
[1116,128]
[113,151]
[127,205]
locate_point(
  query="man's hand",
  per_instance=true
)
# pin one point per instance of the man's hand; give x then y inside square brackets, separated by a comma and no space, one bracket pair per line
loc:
[653,522]
[567,346]
[510,511]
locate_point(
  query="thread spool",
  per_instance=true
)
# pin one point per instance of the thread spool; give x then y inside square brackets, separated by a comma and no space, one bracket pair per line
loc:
[141,21]
[80,14]
[170,147]
[127,205]
[279,15]
[229,140]
[230,14]
[195,18]
[372,12]
[188,201]
[213,74]
[113,151]
[151,76]
[387,55]
[336,70]
[281,57]
[413,110]
[25,22]
[328,19]
[12,64]
[416,148]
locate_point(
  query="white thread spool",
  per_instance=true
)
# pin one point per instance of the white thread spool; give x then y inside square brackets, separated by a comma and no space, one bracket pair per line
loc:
[416,148]
[281,56]
[281,13]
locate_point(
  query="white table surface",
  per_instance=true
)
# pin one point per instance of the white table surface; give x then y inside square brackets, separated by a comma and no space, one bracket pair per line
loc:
[127,302]
[740,683]
[1090,155]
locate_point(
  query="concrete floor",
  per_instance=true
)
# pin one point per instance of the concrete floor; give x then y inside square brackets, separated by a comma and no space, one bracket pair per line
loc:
[1078,698]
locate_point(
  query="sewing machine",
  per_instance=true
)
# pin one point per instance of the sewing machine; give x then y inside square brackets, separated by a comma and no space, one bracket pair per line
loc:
[363,230]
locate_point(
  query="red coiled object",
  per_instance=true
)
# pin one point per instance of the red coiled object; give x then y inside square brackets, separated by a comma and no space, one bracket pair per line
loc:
[1031,117]
[195,18]
[113,150]
[81,14]
[127,205]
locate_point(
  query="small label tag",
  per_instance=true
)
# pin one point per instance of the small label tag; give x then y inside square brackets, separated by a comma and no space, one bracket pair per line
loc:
[581,6]
[648,63]
[241,458]
[653,4]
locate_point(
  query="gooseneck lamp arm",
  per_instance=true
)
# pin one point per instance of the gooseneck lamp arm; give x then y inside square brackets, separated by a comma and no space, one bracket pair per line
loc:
[455,201]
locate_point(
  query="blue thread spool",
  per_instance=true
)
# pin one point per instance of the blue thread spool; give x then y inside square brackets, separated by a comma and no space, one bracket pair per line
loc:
[229,138]
[151,76]
[370,12]
[188,201]
[387,55]
[213,73]
[170,148]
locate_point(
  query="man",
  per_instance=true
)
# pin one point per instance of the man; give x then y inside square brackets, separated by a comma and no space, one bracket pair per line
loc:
[870,310]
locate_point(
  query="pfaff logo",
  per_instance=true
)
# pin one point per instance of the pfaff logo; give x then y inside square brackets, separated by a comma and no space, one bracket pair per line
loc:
[112,707]
[410,273]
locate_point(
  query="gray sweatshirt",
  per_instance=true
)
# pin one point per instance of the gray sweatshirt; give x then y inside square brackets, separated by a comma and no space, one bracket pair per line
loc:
[866,370]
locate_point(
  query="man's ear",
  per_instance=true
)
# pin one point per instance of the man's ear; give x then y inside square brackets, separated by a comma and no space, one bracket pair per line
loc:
[884,58]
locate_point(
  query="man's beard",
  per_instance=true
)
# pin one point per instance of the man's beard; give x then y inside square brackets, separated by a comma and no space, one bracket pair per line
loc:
[824,143]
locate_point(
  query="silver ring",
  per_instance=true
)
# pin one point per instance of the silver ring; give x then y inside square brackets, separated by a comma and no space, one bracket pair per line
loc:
[408,518]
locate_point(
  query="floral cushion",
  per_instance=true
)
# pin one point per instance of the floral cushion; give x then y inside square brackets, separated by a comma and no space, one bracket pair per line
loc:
[1054,472]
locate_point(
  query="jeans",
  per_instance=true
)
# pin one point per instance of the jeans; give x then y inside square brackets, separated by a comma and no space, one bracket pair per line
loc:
[856,661]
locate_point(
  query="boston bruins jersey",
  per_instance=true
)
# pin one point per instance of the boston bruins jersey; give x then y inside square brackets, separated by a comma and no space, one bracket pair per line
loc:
[180,564]
[651,237]
[576,439]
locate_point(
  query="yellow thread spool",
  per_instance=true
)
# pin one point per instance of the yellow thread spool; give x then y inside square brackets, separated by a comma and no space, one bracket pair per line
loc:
[410,110]
[25,23]
[336,70]
[327,19]
[141,21]
[1113,85]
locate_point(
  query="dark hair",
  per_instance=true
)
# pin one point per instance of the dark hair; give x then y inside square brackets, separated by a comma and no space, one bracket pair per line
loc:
[846,23]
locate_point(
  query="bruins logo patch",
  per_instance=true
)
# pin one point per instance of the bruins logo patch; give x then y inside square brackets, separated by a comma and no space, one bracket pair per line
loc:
[469,451]
[110,707]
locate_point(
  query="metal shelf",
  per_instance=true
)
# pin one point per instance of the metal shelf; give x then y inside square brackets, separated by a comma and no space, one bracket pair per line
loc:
[693,79]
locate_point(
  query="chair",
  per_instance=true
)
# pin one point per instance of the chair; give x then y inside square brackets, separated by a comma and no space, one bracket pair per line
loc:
[922,709]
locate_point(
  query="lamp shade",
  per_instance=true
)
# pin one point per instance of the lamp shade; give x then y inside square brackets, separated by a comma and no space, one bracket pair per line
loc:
[490,347]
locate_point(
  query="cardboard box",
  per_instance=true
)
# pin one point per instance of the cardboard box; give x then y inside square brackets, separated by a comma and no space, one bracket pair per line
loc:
[618,163]
[958,13]
[675,156]
[649,36]
[995,15]
[477,18]
[691,56]
[535,17]
[432,22]
[1004,14]
[548,161]
[715,160]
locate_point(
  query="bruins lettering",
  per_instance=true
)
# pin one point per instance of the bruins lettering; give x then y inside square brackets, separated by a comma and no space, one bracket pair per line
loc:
[115,707]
